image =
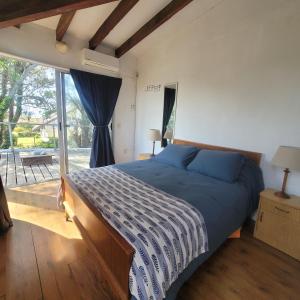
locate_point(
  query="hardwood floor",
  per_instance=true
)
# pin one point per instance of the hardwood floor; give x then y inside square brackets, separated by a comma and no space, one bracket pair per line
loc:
[44,257]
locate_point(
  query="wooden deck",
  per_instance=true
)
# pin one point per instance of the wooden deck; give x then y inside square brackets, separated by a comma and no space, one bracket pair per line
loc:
[13,173]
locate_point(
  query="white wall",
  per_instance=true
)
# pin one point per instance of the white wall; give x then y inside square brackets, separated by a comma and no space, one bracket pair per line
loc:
[238,74]
[124,115]
[37,43]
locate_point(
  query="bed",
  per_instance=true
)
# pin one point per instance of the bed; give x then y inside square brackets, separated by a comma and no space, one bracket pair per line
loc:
[224,206]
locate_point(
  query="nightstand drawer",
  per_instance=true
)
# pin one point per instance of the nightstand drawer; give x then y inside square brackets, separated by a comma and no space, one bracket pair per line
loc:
[278,222]
[279,232]
[280,209]
[272,229]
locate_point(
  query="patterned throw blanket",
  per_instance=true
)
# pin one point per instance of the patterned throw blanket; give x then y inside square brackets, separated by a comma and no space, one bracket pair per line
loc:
[167,233]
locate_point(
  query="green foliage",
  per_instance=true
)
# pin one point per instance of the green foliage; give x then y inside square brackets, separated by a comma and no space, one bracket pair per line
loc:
[25,131]
[28,134]
[5,102]
[35,142]
[26,89]
[15,139]
[28,94]
[52,143]
[80,130]
[18,130]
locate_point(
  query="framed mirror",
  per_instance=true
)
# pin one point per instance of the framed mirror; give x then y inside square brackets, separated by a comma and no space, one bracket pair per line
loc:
[169,113]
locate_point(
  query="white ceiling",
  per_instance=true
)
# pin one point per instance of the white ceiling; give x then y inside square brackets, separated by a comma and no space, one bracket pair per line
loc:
[87,21]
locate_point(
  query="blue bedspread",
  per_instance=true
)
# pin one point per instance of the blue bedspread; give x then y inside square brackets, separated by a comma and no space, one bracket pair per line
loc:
[224,206]
[166,232]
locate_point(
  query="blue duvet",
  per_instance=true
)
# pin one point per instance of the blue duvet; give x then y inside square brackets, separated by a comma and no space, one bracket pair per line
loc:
[224,206]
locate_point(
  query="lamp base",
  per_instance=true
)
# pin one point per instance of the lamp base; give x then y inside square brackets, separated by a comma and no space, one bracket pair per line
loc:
[282,195]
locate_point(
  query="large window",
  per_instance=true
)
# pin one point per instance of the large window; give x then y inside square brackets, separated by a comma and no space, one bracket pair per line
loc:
[31,143]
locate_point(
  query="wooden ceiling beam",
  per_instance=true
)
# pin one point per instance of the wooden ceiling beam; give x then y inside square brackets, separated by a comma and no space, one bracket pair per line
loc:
[110,23]
[14,12]
[164,15]
[63,24]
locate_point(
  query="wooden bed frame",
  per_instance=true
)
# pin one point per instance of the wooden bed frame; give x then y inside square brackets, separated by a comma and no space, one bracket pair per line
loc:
[114,253]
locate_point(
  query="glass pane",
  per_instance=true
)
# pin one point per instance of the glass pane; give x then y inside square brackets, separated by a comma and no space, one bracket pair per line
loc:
[28,123]
[79,129]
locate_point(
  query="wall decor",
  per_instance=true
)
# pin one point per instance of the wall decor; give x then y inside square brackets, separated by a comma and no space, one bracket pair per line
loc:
[153,88]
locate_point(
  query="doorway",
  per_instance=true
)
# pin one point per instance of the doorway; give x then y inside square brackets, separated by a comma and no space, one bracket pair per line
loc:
[76,130]
[44,131]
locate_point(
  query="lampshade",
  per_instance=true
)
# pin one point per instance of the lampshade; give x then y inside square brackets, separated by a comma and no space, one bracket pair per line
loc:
[287,157]
[154,135]
[168,135]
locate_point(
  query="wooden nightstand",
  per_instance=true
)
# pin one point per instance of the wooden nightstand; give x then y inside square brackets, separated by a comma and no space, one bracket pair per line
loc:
[278,222]
[144,156]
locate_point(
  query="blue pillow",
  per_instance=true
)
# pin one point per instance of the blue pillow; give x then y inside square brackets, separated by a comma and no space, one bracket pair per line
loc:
[222,165]
[177,155]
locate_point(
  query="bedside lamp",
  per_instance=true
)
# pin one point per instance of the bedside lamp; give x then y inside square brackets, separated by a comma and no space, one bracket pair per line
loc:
[168,135]
[154,135]
[288,158]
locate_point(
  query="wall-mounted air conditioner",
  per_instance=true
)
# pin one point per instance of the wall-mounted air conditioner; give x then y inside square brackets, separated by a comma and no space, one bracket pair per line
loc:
[99,60]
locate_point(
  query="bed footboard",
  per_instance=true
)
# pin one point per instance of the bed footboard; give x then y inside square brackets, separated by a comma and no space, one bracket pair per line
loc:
[113,252]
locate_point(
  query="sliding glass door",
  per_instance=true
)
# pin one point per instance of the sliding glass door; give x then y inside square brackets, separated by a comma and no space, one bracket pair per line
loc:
[44,130]
[75,128]
[29,148]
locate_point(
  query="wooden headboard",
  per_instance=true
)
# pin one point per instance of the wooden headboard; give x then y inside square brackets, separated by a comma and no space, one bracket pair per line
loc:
[255,156]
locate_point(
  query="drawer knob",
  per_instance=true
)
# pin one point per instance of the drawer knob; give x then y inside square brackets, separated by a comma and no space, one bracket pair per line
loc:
[261,216]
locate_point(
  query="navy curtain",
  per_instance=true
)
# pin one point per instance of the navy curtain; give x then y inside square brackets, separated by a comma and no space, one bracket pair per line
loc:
[169,100]
[98,94]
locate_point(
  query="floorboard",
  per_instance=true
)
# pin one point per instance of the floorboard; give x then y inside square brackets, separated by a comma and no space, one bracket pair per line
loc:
[21,276]
[45,172]
[53,169]
[37,173]
[20,173]
[29,175]
[44,257]
[11,178]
